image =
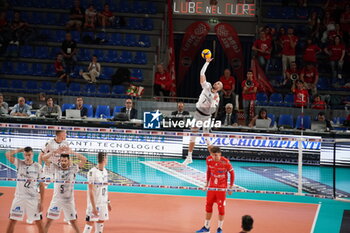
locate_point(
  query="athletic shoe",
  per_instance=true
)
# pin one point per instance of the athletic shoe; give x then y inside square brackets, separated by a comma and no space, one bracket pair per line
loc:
[187,161]
[219,230]
[67,221]
[204,229]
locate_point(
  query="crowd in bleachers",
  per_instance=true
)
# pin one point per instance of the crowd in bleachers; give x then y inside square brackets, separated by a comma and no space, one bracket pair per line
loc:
[315,33]
[29,37]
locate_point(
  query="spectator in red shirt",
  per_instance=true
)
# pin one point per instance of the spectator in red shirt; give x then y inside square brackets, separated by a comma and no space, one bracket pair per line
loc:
[162,82]
[309,75]
[228,91]
[263,48]
[336,54]
[60,70]
[250,88]
[106,17]
[292,74]
[318,103]
[310,51]
[314,25]
[301,95]
[289,42]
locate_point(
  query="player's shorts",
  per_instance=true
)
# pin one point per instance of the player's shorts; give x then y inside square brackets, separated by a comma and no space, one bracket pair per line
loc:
[200,117]
[102,210]
[218,197]
[67,206]
[21,206]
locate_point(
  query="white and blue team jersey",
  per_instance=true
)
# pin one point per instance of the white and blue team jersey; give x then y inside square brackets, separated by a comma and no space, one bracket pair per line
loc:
[96,175]
[208,101]
[64,191]
[27,189]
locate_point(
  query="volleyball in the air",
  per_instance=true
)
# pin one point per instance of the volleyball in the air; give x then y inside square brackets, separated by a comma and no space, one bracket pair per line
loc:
[206,53]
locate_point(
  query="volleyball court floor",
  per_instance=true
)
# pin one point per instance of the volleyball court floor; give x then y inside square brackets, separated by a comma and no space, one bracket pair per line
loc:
[153,210]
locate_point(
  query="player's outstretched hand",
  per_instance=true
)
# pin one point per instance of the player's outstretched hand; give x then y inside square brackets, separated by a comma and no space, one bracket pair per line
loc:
[209,59]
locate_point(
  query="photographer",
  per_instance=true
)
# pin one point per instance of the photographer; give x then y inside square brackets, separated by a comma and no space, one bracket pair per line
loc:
[250,88]
[309,75]
[292,74]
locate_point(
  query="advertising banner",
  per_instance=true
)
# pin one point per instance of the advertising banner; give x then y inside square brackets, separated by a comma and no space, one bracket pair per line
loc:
[241,8]
[231,44]
[191,43]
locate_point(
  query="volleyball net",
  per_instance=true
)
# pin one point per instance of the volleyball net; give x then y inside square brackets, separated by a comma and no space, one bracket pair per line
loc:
[263,163]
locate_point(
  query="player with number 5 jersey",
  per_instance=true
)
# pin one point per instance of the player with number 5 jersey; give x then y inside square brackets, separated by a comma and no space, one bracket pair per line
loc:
[63,197]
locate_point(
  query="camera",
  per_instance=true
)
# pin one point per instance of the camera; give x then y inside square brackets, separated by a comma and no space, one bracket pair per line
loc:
[249,83]
[294,76]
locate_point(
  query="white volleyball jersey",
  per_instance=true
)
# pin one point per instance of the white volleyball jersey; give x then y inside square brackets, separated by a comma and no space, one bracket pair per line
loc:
[208,101]
[27,189]
[64,190]
[52,145]
[101,191]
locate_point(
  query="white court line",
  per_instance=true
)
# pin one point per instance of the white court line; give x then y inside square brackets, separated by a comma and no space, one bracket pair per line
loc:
[181,176]
[315,218]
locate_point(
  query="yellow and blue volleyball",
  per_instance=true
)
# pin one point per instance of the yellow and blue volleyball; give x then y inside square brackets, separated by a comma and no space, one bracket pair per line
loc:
[206,53]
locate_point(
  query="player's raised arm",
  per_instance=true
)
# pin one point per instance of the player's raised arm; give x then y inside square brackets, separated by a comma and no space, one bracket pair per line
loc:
[204,68]
[81,157]
[10,154]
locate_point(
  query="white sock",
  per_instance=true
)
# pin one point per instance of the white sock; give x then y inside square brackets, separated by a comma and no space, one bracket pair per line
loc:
[189,154]
[87,229]
[220,224]
[98,227]
[207,224]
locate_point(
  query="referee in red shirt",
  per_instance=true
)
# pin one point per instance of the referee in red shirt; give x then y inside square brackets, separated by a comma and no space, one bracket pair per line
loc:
[218,168]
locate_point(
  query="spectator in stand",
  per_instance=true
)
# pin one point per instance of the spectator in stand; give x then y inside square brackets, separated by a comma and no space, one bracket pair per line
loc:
[59,68]
[69,51]
[21,31]
[4,107]
[130,112]
[262,115]
[50,109]
[79,105]
[228,91]
[229,117]
[301,95]
[268,32]
[40,101]
[263,48]
[21,109]
[327,19]
[250,87]
[336,54]
[309,75]
[94,71]
[76,17]
[90,18]
[321,116]
[318,103]
[310,51]
[180,110]
[247,223]
[289,42]
[106,17]
[162,82]
[292,74]
[314,23]
[345,23]
[348,118]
